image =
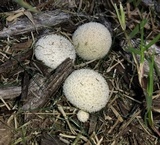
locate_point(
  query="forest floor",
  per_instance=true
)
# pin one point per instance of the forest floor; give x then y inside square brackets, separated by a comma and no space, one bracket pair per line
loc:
[131,116]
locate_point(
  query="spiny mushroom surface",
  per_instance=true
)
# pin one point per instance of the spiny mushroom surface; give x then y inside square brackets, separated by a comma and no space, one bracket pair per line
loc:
[53,49]
[92,41]
[87,90]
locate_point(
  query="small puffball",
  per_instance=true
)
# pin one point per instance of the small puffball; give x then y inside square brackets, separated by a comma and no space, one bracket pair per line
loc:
[53,49]
[82,116]
[92,41]
[87,90]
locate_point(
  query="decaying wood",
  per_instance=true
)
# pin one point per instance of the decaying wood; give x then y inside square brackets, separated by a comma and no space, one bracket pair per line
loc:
[9,64]
[50,140]
[10,92]
[25,85]
[42,88]
[41,20]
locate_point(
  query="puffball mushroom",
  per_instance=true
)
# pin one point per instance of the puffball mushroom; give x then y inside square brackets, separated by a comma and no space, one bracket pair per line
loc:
[87,90]
[53,49]
[92,41]
[82,116]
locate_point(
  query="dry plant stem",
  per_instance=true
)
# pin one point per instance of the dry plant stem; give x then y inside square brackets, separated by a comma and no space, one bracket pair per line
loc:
[10,92]
[144,127]
[42,88]
[41,21]
[78,137]
[7,106]
[83,64]
[124,126]
[116,114]
[95,139]
[46,139]
[73,136]
[60,108]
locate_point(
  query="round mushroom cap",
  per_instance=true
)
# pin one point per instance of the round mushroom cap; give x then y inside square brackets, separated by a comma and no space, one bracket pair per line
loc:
[87,90]
[92,41]
[53,49]
[82,116]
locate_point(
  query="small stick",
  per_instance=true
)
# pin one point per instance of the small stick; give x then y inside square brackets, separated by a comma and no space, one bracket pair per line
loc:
[10,92]
[41,21]
[5,103]
[60,108]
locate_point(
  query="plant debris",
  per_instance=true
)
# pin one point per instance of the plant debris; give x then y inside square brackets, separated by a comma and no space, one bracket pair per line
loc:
[42,88]
[33,107]
[36,22]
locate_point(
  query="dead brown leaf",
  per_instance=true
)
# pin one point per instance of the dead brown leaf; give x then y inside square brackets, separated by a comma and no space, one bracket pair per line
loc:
[22,45]
[5,133]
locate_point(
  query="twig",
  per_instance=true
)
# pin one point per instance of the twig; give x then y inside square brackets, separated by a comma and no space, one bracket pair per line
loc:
[10,92]
[41,21]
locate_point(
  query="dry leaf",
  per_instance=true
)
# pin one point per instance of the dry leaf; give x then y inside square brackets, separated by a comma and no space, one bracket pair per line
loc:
[22,45]
[14,14]
[5,134]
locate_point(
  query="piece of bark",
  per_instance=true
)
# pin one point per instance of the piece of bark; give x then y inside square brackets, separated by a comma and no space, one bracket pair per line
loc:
[41,20]
[46,139]
[25,85]
[42,88]
[10,92]
[9,64]
[22,45]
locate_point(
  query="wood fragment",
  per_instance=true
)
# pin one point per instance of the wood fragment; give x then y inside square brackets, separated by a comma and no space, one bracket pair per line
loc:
[41,20]
[42,88]
[9,64]
[92,124]
[10,92]
[22,45]
[25,85]
[46,139]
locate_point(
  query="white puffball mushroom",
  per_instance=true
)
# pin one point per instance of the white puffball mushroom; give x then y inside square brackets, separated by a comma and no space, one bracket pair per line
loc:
[82,116]
[92,41]
[53,49]
[87,90]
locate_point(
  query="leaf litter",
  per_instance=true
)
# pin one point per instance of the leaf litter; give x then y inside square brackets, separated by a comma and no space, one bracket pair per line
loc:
[51,119]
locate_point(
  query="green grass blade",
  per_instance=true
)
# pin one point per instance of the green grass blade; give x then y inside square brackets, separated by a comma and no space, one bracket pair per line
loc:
[121,16]
[151,70]
[150,91]
[133,50]
[123,20]
[142,47]
[156,39]
[134,32]
[26,5]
